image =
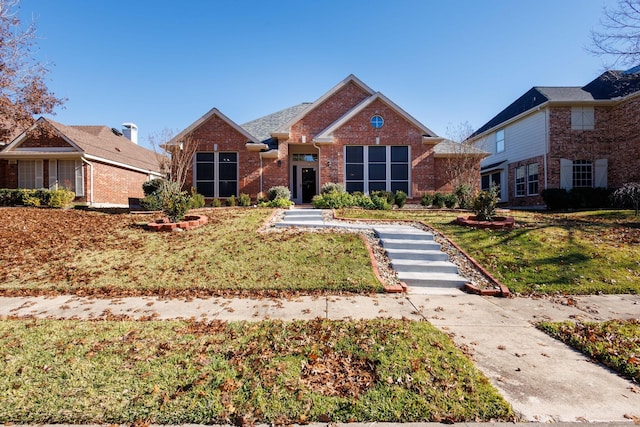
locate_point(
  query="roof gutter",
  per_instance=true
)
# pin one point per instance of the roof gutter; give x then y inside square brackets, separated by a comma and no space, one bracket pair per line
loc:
[123,165]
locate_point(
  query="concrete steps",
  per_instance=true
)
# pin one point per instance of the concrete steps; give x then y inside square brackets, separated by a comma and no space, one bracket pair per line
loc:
[419,261]
[302,218]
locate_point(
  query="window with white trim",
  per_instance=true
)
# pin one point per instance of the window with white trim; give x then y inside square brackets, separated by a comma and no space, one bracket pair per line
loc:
[67,174]
[582,118]
[520,182]
[532,179]
[27,174]
[216,174]
[582,174]
[488,179]
[376,167]
[500,141]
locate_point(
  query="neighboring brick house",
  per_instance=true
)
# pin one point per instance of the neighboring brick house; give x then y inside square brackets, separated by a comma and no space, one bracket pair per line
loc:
[564,137]
[350,135]
[102,166]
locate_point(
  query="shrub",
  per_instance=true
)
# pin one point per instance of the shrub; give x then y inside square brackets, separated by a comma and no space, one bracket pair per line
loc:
[400,198]
[216,203]
[628,194]
[60,198]
[426,199]
[555,198]
[276,203]
[388,195]
[485,204]
[438,200]
[380,203]
[151,202]
[244,200]
[231,201]
[278,192]
[175,202]
[196,200]
[587,198]
[331,187]
[450,200]
[464,194]
[30,200]
[152,186]
[332,200]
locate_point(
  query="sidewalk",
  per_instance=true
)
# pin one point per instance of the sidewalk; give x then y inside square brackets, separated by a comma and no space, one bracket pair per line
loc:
[543,379]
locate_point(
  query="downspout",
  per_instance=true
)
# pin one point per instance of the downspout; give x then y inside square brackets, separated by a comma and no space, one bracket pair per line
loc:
[90,180]
[546,143]
[260,154]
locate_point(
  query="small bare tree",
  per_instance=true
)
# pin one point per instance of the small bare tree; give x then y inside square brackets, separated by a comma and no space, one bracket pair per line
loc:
[23,91]
[181,150]
[620,34]
[464,159]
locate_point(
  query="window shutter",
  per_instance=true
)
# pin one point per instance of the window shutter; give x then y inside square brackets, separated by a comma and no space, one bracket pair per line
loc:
[566,174]
[39,174]
[588,118]
[53,174]
[600,179]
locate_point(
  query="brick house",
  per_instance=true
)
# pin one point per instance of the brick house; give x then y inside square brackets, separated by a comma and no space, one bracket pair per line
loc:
[350,135]
[564,137]
[101,165]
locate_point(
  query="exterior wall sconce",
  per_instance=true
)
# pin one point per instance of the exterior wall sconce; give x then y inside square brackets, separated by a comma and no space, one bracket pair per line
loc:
[328,163]
[279,163]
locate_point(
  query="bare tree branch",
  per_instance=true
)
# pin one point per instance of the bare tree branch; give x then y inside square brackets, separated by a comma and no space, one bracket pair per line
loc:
[179,164]
[620,34]
[23,91]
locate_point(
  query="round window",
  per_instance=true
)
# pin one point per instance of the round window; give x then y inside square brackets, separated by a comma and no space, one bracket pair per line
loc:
[377,121]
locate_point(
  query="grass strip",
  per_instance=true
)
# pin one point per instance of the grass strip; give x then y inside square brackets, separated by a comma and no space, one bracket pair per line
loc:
[614,343]
[174,372]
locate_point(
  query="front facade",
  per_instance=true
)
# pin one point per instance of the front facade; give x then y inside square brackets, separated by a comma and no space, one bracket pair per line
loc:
[101,166]
[564,137]
[351,135]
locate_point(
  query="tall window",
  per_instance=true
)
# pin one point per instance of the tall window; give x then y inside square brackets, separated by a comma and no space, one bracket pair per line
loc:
[520,182]
[488,179]
[582,118]
[373,168]
[67,174]
[582,173]
[27,174]
[532,179]
[216,174]
[500,141]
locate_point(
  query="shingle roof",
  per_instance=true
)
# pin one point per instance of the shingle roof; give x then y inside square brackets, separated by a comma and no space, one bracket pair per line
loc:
[448,148]
[100,141]
[262,127]
[609,85]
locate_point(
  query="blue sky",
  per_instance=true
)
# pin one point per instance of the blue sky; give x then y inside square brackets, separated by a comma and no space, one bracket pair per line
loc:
[164,64]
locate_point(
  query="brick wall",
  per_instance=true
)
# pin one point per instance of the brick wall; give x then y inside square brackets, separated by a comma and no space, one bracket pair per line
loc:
[113,185]
[533,200]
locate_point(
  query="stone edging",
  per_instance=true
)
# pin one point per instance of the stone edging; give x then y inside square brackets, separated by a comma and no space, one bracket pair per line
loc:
[498,223]
[189,222]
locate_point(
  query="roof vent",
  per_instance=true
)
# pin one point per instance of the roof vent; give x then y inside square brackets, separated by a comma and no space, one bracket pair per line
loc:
[130,131]
[116,132]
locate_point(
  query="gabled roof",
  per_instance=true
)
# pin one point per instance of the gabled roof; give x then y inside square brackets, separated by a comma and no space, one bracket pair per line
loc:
[284,128]
[609,85]
[262,127]
[213,112]
[327,134]
[94,142]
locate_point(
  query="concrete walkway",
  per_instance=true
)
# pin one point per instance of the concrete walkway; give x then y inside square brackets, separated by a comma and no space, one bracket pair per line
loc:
[543,379]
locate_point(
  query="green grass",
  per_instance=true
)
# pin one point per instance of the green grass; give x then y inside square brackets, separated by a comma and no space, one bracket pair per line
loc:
[614,343]
[175,372]
[50,251]
[573,253]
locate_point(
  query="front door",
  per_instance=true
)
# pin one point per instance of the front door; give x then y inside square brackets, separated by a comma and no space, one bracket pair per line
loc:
[308,184]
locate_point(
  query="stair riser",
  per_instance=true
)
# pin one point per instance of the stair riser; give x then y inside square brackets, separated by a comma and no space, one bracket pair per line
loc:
[413,245]
[434,283]
[404,236]
[426,270]
[431,256]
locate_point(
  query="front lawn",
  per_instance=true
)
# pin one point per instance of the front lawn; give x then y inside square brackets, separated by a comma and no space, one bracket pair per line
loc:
[614,343]
[572,253]
[175,372]
[90,253]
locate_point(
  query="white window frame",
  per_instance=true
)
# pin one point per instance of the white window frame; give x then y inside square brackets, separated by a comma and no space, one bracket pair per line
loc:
[216,171]
[582,118]
[520,181]
[388,164]
[500,145]
[30,174]
[531,180]
[77,182]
